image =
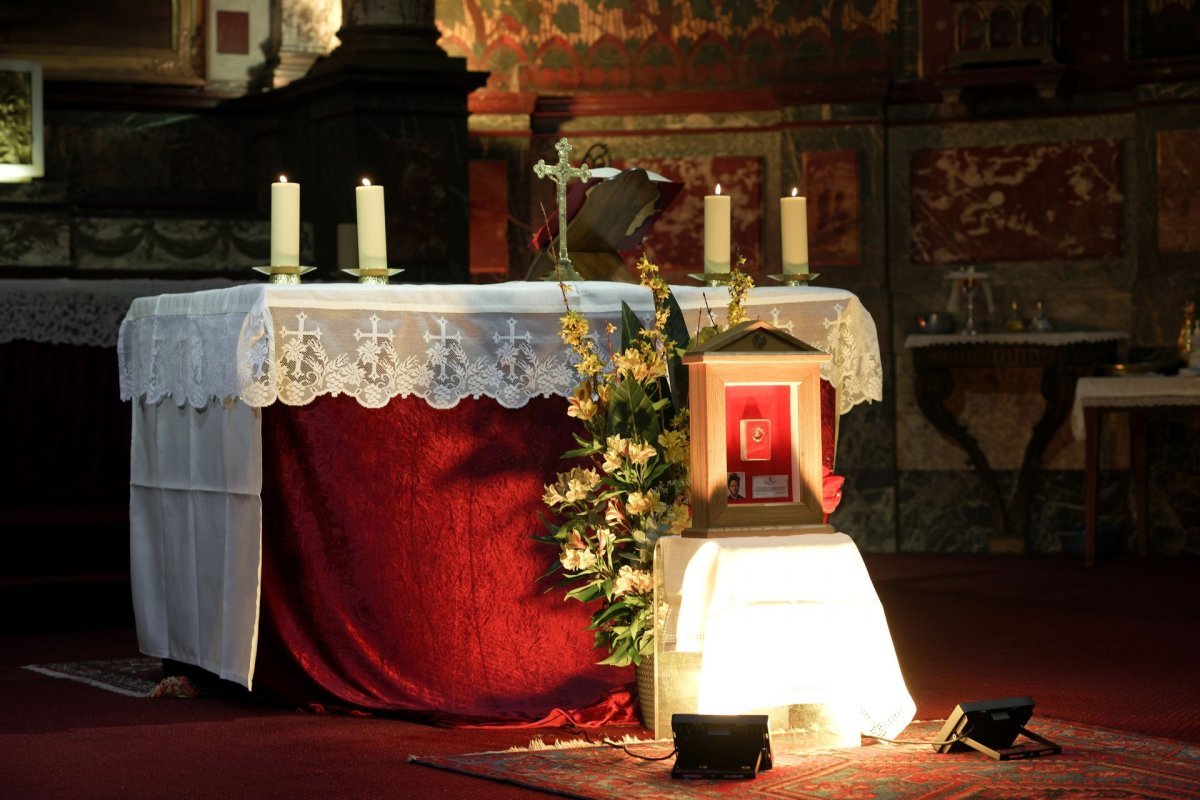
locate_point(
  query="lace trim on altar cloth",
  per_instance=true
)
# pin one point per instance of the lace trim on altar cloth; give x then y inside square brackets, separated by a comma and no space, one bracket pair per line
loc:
[78,312]
[294,346]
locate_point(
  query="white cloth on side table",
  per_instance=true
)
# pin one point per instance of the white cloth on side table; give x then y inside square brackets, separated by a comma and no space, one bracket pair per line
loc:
[785,620]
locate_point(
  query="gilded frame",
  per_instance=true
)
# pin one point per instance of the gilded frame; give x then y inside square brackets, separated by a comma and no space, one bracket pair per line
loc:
[181,64]
[22,148]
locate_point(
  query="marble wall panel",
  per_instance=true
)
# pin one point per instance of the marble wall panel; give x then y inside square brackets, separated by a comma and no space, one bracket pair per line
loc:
[942,512]
[867,513]
[676,240]
[1017,202]
[833,186]
[488,200]
[1173,450]
[1178,170]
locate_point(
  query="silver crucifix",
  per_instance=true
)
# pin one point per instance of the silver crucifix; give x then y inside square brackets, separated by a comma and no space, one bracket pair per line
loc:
[562,173]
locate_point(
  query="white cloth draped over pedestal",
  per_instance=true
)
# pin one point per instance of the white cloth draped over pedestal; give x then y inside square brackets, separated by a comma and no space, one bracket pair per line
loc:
[219,356]
[783,620]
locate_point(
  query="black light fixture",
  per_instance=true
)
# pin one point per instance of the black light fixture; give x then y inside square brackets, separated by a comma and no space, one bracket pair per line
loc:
[992,727]
[720,746]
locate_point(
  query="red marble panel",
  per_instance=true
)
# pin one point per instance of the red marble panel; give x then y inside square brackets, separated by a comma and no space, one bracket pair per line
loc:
[676,241]
[1179,191]
[833,186]
[1017,202]
[488,201]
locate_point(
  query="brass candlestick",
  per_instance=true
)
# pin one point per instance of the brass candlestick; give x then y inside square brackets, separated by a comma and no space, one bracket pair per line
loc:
[284,276]
[796,278]
[373,275]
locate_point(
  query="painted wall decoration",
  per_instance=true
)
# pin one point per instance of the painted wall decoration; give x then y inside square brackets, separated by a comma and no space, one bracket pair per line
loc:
[1178,199]
[833,186]
[676,241]
[615,45]
[1017,202]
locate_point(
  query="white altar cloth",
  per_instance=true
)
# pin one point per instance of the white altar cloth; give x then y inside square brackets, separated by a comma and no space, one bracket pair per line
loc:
[196,471]
[783,620]
[264,343]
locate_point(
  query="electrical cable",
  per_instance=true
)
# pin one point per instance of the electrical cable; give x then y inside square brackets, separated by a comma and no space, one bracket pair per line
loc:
[955,740]
[629,752]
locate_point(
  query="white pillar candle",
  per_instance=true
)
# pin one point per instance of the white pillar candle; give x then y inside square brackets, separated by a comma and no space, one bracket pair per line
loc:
[372,228]
[716,232]
[793,212]
[285,223]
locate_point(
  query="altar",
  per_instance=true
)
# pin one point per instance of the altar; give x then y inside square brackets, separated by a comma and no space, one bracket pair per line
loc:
[334,488]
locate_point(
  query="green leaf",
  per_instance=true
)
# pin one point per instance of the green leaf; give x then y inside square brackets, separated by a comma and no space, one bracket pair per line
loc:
[591,449]
[620,657]
[677,373]
[615,610]
[631,414]
[631,326]
[585,593]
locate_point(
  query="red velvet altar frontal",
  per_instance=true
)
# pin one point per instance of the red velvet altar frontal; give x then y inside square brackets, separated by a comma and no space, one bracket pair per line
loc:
[399,571]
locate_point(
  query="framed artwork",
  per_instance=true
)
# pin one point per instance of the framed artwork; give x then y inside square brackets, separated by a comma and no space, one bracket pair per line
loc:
[134,41]
[21,146]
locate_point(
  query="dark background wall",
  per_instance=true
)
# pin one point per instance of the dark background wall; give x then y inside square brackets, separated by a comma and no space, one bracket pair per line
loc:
[1068,169]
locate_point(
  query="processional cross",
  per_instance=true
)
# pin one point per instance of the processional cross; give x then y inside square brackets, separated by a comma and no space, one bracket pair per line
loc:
[562,173]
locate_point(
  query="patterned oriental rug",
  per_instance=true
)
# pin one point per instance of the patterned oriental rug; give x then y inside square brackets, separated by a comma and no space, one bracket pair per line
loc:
[132,677]
[1095,762]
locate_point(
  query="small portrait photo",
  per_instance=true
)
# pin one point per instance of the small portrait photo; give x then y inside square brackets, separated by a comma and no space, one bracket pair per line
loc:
[734,483]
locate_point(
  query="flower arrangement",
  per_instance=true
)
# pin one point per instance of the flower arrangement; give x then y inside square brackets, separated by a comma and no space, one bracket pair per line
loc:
[631,484]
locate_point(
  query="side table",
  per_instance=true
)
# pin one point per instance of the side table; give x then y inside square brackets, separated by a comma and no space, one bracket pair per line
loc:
[1062,356]
[1138,396]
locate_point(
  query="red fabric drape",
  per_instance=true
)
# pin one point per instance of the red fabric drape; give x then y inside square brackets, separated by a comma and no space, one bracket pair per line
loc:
[399,572]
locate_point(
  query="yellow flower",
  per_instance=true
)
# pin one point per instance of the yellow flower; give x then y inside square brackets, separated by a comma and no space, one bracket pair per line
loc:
[630,363]
[633,581]
[577,560]
[679,518]
[740,285]
[675,445]
[604,540]
[551,497]
[590,365]
[580,405]
[640,503]
[612,514]
[640,453]
[618,448]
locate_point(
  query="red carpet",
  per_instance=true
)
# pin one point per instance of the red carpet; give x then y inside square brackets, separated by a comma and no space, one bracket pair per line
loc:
[1095,762]
[1115,647]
